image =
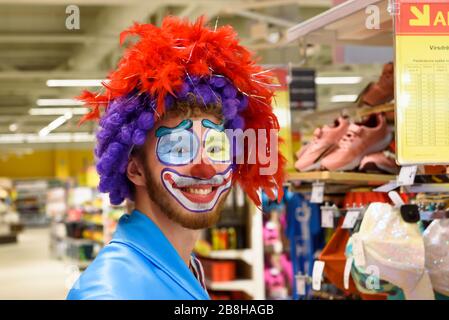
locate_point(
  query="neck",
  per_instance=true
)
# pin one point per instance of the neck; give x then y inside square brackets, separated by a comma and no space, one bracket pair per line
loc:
[182,239]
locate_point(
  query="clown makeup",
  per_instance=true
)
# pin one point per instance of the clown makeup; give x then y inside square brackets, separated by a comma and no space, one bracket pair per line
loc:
[197,195]
[177,146]
[190,145]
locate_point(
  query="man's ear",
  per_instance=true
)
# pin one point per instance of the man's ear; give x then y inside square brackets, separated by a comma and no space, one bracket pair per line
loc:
[135,172]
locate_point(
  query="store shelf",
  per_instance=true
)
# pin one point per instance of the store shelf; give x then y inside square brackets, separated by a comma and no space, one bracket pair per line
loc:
[345,178]
[346,23]
[239,254]
[246,286]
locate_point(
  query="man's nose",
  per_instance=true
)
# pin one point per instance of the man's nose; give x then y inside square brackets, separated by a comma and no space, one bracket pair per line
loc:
[203,170]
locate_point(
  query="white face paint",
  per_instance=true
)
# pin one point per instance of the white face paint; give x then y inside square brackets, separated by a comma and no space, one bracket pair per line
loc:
[197,195]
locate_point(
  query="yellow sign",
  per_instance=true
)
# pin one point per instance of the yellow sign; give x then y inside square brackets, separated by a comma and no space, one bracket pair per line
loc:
[422,83]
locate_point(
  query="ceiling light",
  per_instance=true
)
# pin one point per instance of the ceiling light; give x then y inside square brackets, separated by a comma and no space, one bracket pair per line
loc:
[59,121]
[338,80]
[51,138]
[58,102]
[57,111]
[344,98]
[13,127]
[74,83]
[274,37]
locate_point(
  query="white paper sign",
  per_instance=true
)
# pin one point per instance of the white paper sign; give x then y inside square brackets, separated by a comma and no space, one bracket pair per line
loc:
[317,192]
[407,175]
[327,218]
[350,218]
[301,282]
[317,275]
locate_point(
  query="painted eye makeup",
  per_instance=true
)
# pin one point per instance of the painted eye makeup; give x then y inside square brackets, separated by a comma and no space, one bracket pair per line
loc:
[177,146]
[217,146]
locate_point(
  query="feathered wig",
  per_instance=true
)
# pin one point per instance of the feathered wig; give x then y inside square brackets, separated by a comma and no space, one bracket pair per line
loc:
[172,63]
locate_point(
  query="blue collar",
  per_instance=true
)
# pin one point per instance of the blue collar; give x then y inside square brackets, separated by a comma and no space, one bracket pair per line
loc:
[141,233]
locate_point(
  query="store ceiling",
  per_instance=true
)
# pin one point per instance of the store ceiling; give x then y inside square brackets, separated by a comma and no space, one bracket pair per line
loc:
[36,46]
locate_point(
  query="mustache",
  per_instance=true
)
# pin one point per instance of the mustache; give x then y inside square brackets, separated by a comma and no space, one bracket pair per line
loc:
[188,181]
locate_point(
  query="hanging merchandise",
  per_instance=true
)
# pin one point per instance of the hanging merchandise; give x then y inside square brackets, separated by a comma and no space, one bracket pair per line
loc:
[422,68]
[436,241]
[305,236]
[394,249]
[335,263]
[278,273]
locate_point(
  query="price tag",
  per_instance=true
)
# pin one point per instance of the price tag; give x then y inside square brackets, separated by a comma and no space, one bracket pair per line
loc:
[396,199]
[317,275]
[358,251]
[301,282]
[327,218]
[350,218]
[387,187]
[317,192]
[347,272]
[407,175]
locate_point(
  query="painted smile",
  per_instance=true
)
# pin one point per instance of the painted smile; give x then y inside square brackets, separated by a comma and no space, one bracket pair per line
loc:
[195,194]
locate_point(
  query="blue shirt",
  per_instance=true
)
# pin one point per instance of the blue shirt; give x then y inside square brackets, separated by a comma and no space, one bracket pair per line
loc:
[139,264]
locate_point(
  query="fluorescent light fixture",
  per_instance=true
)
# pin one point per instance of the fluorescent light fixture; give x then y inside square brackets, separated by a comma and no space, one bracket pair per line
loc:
[13,127]
[338,80]
[57,111]
[74,83]
[59,121]
[344,98]
[51,138]
[58,102]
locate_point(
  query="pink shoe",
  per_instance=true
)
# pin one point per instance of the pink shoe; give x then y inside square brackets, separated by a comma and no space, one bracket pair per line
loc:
[309,157]
[380,161]
[361,139]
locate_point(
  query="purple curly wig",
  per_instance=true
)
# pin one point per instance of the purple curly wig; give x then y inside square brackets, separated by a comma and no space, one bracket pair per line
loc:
[127,121]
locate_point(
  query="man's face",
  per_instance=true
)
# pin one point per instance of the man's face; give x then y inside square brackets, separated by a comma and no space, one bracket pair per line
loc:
[188,169]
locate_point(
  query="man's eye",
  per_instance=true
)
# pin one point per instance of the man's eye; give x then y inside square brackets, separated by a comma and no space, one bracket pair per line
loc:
[180,150]
[214,149]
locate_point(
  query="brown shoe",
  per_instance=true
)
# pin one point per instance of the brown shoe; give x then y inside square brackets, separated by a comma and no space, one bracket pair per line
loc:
[382,91]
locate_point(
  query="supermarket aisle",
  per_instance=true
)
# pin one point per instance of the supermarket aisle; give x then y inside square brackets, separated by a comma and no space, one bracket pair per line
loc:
[27,270]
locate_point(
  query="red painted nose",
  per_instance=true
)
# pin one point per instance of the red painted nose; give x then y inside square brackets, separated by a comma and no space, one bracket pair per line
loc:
[203,171]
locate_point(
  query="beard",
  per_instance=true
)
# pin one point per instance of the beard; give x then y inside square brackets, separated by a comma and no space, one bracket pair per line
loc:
[175,212]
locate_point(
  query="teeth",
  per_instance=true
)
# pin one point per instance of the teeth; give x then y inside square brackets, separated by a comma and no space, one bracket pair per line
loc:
[199,191]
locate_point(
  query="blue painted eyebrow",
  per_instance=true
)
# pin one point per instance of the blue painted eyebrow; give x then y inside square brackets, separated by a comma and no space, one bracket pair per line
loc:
[183,125]
[209,124]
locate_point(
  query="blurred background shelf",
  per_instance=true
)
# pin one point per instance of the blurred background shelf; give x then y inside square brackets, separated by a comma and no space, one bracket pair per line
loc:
[349,178]
[238,254]
[246,286]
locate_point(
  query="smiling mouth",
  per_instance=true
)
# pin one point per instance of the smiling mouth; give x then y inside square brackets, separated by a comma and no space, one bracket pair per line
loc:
[199,194]
[203,194]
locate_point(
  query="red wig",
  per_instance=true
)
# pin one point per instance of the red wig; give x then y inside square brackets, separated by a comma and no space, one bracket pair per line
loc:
[161,59]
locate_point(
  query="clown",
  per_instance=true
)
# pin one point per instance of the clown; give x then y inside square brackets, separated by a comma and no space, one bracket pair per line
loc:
[168,117]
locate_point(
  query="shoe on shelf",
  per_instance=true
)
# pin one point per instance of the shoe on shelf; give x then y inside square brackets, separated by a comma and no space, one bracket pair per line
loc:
[370,136]
[382,91]
[380,161]
[324,139]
